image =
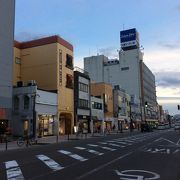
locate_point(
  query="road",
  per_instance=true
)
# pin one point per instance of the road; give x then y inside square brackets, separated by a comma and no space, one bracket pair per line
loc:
[154,155]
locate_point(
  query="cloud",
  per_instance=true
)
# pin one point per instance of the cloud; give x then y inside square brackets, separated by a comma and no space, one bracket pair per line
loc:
[110,52]
[171,45]
[27,36]
[168,79]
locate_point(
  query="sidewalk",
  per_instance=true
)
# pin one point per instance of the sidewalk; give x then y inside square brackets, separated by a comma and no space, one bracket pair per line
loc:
[53,139]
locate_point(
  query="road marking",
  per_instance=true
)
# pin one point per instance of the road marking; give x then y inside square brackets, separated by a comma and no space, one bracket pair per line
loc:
[13,171]
[49,162]
[93,145]
[178,142]
[111,144]
[108,148]
[103,166]
[131,176]
[75,156]
[177,150]
[90,150]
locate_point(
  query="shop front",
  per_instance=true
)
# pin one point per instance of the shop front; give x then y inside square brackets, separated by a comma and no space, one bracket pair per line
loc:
[46,124]
[84,122]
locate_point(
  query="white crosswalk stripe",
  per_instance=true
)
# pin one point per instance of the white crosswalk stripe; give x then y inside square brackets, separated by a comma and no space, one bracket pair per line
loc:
[49,162]
[112,144]
[13,171]
[90,151]
[75,156]
[103,147]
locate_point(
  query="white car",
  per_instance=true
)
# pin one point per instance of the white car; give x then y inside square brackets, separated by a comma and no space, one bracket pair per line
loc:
[161,126]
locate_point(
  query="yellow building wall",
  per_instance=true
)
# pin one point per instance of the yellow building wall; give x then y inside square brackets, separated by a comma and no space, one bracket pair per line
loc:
[16,66]
[66,95]
[39,63]
[98,89]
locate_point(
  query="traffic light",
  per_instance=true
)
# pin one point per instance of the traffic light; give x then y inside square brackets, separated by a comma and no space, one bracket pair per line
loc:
[178,106]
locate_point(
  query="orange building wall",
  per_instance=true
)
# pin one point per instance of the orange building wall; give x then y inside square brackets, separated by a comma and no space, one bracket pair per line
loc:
[98,89]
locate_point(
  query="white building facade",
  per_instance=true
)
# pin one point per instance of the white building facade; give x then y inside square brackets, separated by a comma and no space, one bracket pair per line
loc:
[127,72]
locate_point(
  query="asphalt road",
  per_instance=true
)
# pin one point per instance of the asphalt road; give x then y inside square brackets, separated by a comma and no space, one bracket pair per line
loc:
[154,155]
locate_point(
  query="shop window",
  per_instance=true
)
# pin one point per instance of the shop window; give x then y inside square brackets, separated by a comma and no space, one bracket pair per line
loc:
[26,102]
[16,103]
[69,81]
[69,61]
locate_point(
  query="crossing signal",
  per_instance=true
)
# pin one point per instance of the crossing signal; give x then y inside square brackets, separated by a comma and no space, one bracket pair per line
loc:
[178,106]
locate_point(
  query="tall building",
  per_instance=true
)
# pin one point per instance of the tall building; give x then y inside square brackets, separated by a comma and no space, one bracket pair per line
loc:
[7,16]
[48,61]
[129,72]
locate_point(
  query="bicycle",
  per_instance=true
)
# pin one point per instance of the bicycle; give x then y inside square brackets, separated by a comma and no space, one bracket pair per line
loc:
[26,141]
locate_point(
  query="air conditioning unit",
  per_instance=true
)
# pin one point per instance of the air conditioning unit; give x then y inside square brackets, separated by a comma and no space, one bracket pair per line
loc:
[31,83]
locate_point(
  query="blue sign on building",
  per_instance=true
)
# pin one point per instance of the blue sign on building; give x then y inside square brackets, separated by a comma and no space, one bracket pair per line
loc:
[128,35]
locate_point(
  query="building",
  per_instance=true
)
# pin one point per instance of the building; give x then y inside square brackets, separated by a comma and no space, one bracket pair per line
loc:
[129,73]
[7,16]
[105,91]
[48,61]
[121,107]
[82,108]
[34,111]
[97,115]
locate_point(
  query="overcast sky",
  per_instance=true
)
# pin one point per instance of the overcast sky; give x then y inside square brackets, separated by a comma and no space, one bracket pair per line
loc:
[93,26]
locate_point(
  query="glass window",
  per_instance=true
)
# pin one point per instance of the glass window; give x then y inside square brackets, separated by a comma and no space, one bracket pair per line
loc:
[69,81]
[26,102]
[69,61]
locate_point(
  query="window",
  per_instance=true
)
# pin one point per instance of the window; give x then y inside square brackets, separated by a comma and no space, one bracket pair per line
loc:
[83,103]
[69,81]
[16,103]
[83,87]
[96,105]
[124,68]
[69,61]
[26,102]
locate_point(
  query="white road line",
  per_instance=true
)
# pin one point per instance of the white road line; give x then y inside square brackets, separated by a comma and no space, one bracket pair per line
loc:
[102,166]
[116,145]
[75,156]
[13,171]
[176,151]
[108,148]
[49,162]
[178,142]
[90,151]
[122,142]
[93,145]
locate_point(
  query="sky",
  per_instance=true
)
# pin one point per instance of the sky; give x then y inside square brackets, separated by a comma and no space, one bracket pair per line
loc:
[93,26]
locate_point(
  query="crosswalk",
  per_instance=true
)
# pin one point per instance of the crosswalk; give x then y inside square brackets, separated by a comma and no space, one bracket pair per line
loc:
[14,170]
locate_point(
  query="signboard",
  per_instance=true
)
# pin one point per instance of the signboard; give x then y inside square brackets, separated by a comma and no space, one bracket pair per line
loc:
[129,39]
